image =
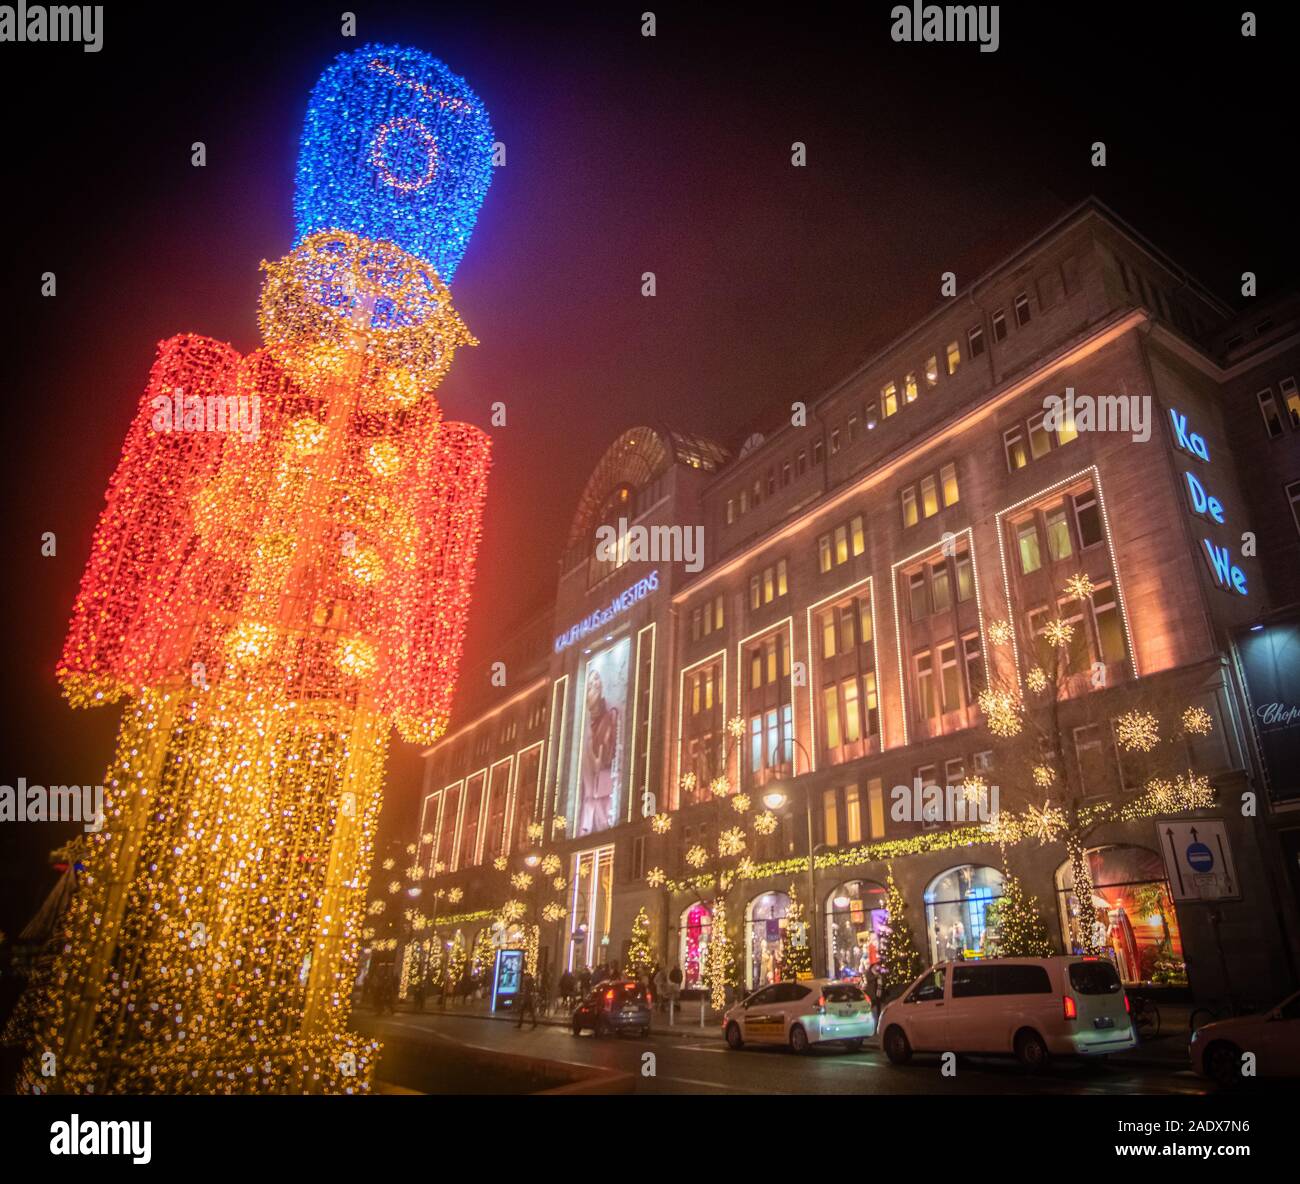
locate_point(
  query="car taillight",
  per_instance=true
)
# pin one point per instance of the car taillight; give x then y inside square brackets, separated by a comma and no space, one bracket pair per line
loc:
[1127,1005]
[1071,1008]
[821,1004]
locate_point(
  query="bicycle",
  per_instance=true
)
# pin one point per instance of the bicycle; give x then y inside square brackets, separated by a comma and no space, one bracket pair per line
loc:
[1146,1017]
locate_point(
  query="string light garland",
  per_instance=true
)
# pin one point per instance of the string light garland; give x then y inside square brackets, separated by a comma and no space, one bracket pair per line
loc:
[276,582]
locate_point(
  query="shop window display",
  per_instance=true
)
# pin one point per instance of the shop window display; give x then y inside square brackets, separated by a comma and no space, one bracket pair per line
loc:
[766,938]
[956,911]
[695,930]
[855,916]
[1132,914]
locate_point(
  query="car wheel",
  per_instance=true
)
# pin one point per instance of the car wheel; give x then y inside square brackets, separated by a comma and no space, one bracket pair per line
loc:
[897,1047]
[577,1027]
[1222,1064]
[853,1045]
[1031,1050]
[602,1028]
[734,1039]
[799,1039]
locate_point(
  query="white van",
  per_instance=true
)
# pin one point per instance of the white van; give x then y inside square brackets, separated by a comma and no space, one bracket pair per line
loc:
[1034,1008]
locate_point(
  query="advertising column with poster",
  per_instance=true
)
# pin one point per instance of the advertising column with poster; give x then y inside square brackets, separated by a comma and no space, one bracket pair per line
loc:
[507,979]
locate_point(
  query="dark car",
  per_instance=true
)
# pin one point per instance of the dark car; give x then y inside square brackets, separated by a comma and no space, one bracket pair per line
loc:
[619,1006]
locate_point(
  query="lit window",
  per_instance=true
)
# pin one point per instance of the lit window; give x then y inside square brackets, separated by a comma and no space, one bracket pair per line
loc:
[869,698]
[909,388]
[1027,539]
[755,593]
[1013,443]
[756,669]
[830,818]
[954,357]
[876,807]
[852,814]
[781,585]
[1293,496]
[695,624]
[925,700]
[1040,439]
[1110,633]
[949,677]
[1022,309]
[948,479]
[841,545]
[909,506]
[871,416]
[731,510]
[974,660]
[824,553]
[864,616]
[888,399]
[852,711]
[828,634]
[831,707]
[1291,400]
[940,589]
[767,585]
[917,599]
[1268,409]
[1058,534]
[932,371]
[1067,431]
[965,578]
[929,497]
[846,628]
[855,528]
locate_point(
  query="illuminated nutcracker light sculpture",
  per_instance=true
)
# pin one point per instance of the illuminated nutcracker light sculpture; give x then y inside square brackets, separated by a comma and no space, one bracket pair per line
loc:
[269,603]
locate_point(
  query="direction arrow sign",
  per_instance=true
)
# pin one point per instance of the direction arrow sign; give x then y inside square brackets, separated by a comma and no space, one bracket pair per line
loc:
[1198,859]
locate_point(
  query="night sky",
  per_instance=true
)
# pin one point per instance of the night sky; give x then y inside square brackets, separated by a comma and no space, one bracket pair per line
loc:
[624,154]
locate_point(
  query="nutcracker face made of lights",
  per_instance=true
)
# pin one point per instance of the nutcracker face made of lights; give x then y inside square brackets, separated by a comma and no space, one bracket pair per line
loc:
[267,603]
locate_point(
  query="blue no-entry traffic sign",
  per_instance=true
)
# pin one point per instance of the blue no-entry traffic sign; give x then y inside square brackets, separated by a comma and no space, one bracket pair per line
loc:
[1199,857]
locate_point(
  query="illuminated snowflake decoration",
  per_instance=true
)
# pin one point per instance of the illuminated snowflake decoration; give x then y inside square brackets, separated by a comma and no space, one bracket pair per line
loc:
[745,868]
[731,842]
[1044,775]
[999,632]
[655,877]
[410,848]
[521,881]
[553,912]
[689,782]
[551,864]
[740,803]
[454,895]
[765,823]
[719,787]
[535,832]
[1197,721]
[736,727]
[439,868]
[1137,731]
[426,838]
[661,824]
[512,910]
[1036,680]
[420,923]
[395,886]
[1001,711]
[1079,587]
[1001,828]
[559,883]
[1045,823]
[973,789]
[413,872]
[559,822]
[1059,632]
[500,863]
[389,864]
[697,856]
[376,907]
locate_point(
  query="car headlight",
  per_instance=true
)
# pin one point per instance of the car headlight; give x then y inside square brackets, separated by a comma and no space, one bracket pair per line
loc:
[1195,1036]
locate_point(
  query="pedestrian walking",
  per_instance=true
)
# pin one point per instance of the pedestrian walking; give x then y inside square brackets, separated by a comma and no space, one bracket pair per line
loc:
[527,1000]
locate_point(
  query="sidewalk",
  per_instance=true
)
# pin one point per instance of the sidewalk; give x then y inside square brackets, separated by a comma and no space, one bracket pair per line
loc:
[1166,1051]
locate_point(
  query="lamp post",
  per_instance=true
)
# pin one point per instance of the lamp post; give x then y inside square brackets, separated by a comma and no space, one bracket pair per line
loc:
[776,797]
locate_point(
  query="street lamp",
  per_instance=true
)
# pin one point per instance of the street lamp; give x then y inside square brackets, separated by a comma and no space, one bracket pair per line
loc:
[774,799]
[532,859]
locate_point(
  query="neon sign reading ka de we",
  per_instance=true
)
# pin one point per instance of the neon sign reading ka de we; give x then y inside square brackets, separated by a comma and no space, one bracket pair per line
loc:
[1204,504]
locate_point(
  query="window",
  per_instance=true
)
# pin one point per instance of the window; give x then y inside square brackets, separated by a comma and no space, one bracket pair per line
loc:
[852,815]
[731,510]
[744,501]
[965,577]
[949,677]
[719,616]
[831,703]
[841,544]
[870,415]
[917,598]
[852,711]
[785,472]
[1058,533]
[695,624]
[817,452]
[973,659]
[954,357]
[909,506]
[1040,439]
[755,593]
[853,427]
[909,388]
[926,702]
[1027,541]
[782,586]
[940,590]
[1110,631]
[1268,409]
[929,497]
[1013,443]
[876,807]
[1087,518]
[828,633]
[1022,309]
[835,441]
[830,819]
[1291,400]
[999,325]
[855,529]
[948,478]
[888,399]
[824,553]
[975,339]
[1293,496]
[932,371]
[771,482]
[801,463]
[1091,757]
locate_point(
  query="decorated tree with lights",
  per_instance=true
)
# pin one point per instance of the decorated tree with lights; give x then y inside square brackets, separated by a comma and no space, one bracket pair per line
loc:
[456,962]
[641,954]
[1015,927]
[1047,692]
[798,947]
[482,955]
[280,576]
[900,960]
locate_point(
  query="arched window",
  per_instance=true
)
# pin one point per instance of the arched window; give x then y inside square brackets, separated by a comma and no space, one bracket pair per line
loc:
[694,931]
[855,915]
[1131,912]
[765,939]
[956,910]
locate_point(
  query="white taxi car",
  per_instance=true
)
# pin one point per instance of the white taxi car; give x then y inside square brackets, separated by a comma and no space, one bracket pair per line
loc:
[1217,1049]
[801,1014]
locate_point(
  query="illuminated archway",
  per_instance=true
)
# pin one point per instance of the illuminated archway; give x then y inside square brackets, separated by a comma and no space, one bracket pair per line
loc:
[855,915]
[956,910]
[765,934]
